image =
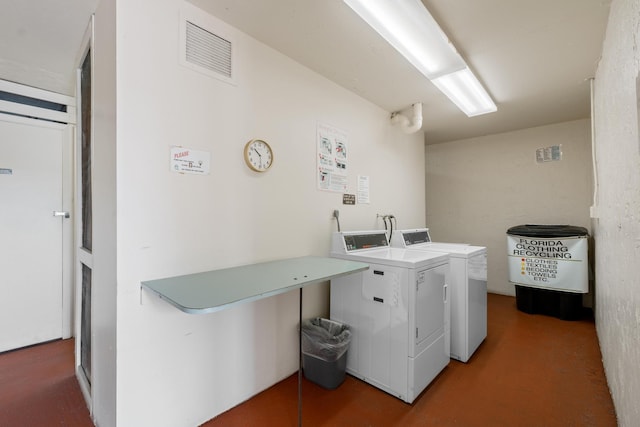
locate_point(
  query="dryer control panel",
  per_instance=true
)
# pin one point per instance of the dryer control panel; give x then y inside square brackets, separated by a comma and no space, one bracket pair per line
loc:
[415,237]
[345,242]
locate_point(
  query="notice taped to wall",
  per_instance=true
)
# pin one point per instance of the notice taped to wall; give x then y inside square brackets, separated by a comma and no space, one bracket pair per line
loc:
[549,263]
[549,154]
[332,158]
[186,160]
[363,189]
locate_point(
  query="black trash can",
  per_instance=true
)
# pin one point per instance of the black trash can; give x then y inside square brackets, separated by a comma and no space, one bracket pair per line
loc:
[324,351]
[548,264]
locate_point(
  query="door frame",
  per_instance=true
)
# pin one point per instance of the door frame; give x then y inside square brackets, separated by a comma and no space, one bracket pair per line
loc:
[68,276]
[80,255]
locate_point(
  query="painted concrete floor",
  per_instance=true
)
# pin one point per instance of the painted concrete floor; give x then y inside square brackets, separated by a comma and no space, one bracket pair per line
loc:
[532,370]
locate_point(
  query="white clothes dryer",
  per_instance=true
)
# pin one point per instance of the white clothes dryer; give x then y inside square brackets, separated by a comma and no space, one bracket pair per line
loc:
[396,312]
[468,288]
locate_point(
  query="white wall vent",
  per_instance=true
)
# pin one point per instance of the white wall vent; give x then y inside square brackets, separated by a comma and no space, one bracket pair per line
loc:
[208,50]
[205,49]
[26,101]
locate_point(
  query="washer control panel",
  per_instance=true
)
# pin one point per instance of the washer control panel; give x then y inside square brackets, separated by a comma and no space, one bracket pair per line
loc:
[345,242]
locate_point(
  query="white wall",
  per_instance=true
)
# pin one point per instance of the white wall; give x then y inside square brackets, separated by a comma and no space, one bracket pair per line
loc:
[176,369]
[617,231]
[480,187]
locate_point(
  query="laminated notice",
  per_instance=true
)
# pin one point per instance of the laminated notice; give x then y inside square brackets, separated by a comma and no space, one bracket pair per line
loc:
[549,263]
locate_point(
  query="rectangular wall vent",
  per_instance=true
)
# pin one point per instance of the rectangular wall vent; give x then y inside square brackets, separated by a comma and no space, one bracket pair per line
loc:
[25,101]
[208,50]
[34,102]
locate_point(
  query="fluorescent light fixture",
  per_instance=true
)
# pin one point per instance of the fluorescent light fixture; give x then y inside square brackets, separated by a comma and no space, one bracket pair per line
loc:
[464,90]
[409,27]
[413,32]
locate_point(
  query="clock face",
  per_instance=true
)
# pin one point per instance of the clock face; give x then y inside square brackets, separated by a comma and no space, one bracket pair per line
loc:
[258,155]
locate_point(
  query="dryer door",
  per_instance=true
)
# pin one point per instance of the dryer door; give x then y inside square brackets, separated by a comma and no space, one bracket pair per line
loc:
[430,306]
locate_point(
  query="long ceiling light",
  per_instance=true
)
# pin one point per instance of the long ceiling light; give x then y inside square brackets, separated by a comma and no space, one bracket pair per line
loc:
[409,27]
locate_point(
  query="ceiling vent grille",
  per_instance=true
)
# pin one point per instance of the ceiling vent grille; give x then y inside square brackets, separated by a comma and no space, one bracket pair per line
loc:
[208,50]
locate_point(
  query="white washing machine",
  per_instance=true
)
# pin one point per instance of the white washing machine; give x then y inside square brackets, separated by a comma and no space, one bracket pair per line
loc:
[468,288]
[396,312]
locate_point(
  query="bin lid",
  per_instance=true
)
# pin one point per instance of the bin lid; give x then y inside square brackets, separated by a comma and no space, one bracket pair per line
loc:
[546,230]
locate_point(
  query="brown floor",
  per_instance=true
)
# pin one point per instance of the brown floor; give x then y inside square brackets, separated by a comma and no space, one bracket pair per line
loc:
[38,387]
[532,370]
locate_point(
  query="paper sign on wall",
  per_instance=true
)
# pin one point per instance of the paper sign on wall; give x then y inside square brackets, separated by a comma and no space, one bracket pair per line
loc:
[549,154]
[186,160]
[332,158]
[363,189]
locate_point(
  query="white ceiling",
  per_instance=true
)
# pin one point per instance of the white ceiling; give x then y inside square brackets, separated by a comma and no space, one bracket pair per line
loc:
[40,40]
[534,56]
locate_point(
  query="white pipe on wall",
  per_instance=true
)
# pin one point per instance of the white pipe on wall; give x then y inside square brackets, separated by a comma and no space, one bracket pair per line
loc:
[409,126]
[594,205]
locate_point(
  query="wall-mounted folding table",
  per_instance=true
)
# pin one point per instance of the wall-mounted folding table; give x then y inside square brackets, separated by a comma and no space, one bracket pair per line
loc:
[216,290]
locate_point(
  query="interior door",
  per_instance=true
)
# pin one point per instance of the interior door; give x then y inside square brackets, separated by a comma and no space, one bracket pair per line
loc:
[31,243]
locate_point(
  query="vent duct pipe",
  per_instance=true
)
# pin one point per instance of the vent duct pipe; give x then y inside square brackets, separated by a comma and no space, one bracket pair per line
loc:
[406,124]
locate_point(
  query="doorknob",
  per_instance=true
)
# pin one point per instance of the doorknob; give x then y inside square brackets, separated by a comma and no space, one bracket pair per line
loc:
[59,213]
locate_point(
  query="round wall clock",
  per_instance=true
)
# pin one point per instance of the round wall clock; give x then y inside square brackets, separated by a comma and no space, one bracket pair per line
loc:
[258,155]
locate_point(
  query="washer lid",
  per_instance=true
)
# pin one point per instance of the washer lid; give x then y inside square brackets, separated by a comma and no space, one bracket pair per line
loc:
[396,257]
[455,250]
